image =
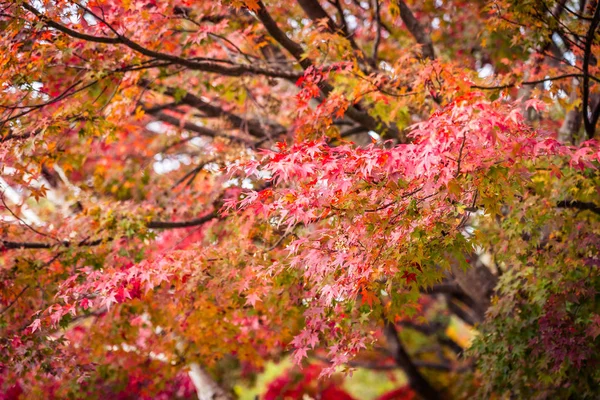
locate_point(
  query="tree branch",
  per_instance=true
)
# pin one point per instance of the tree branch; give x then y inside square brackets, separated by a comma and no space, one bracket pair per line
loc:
[205,66]
[377,31]
[253,127]
[182,224]
[343,24]
[468,317]
[445,287]
[315,11]
[297,52]
[416,30]
[12,245]
[12,136]
[17,297]
[273,29]
[532,83]
[403,360]
[201,130]
[590,124]
[390,367]
[579,205]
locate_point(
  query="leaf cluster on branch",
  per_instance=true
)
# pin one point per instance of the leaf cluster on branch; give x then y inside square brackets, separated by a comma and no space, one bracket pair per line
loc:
[194,192]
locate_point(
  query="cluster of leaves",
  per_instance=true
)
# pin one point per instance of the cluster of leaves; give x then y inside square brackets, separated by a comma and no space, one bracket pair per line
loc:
[540,337]
[410,200]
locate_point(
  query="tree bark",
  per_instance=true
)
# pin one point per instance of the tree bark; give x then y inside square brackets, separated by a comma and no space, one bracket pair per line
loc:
[416,30]
[477,282]
[403,360]
[206,387]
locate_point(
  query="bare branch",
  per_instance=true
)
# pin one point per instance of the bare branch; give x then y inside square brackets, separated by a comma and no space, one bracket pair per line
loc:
[589,123]
[416,30]
[377,30]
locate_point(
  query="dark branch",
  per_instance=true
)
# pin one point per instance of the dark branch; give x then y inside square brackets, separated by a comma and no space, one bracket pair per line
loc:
[462,313]
[12,136]
[206,66]
[12,245]
[254,128]
[17,297]
[589,123]
[315,11]
[403,360]
[200,130]
[579,205]
[271,26]
[377,31]
[343,24]
[182,224]
[416,30]
[446,287]
[531,83]
[297,52]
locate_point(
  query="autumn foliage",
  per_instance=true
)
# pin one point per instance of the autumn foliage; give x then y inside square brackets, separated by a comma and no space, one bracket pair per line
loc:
[192,192]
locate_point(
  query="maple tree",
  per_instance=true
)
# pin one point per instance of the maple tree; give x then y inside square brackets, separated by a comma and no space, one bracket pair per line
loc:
[191,190]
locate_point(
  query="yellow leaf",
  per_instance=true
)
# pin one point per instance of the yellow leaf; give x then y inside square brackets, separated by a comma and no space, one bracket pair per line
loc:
[290,198]
[139,113]
[454,188]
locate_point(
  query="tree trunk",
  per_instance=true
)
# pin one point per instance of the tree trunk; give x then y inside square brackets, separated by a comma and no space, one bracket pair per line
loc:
[206,387]
[417,382]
